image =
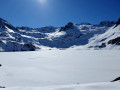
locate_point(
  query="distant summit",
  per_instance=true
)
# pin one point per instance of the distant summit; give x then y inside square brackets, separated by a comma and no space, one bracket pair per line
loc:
[107,23]
[118,23]
[69,25]
[85,23]
[4,24]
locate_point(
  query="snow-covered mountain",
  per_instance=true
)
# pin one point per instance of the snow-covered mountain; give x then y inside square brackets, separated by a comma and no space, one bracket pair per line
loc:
[30,39]
[11,39]
[108,40]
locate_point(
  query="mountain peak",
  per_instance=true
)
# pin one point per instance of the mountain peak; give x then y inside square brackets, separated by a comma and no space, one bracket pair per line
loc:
[118,23]
[4,24]
[68,26]
[2,20]
[107,23]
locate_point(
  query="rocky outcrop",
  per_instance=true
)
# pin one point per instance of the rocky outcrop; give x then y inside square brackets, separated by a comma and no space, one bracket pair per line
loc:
[117,79]
[70,25]
[118,23]
[103,45]
[107,23]
[115,41]
[28,47]
[4,24]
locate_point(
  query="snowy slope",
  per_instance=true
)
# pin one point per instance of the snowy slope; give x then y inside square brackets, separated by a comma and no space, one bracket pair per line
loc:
[108,40]
[31,39]
[11,40]
[60,70]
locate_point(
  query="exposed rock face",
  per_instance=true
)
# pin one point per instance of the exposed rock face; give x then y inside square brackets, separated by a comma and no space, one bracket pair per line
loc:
[118,23]
[117,79]
[108,23]
[28,47]
[102,45]
[70,25]
[4,24]
[115,41]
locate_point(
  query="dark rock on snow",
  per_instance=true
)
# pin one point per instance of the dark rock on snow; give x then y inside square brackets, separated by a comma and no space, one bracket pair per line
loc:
[70,25]
[115,41]
[118,23]
[117,79]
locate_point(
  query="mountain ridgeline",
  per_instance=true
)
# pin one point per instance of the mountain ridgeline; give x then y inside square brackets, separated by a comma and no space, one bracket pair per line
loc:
[102,35]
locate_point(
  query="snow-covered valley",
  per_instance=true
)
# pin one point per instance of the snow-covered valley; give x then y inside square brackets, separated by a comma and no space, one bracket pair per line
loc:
[60,70]
[59,44]
[74,57]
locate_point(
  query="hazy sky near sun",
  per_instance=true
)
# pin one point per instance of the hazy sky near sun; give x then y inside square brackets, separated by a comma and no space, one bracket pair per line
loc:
[36,13]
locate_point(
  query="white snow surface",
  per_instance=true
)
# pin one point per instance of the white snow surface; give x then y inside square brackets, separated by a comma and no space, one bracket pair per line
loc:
[93,86]
[112,33]
[60,70]
[99,39]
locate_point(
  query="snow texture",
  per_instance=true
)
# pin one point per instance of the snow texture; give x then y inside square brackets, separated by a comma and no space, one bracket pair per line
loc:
[60,70]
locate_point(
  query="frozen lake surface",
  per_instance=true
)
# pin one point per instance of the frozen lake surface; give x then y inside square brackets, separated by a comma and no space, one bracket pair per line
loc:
[52,68]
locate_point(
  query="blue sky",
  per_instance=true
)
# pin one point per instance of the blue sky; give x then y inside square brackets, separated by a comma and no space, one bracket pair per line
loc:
[34,13]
